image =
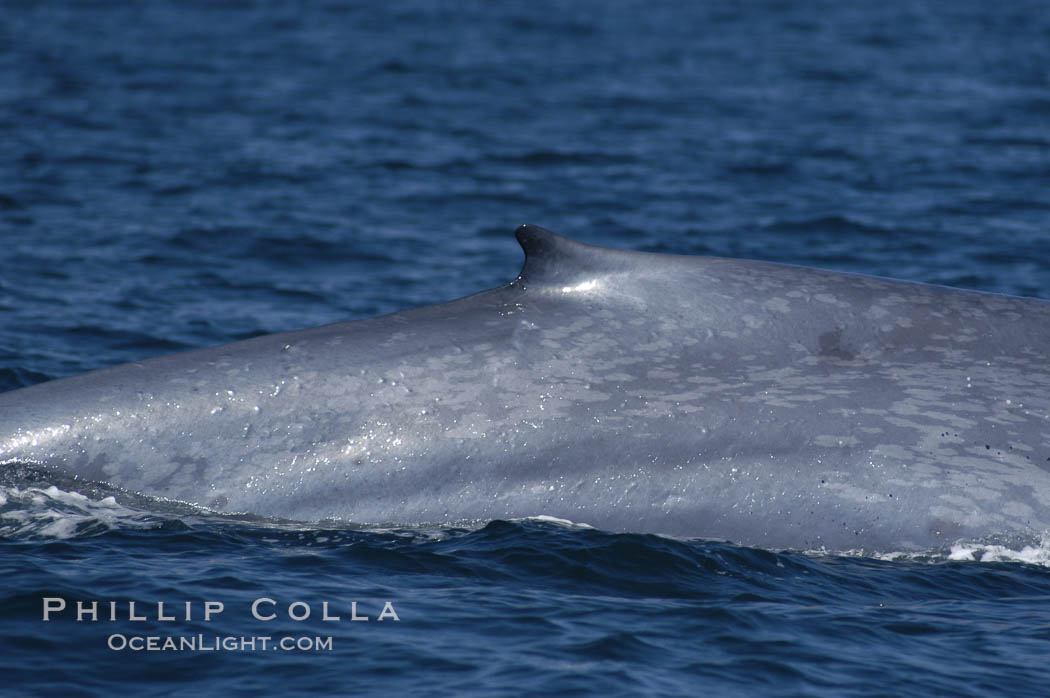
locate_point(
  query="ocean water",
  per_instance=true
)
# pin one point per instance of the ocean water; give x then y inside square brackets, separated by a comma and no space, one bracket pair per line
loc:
[179,174]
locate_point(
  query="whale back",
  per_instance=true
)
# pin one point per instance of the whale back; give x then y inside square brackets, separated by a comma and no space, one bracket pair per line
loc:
[765,403]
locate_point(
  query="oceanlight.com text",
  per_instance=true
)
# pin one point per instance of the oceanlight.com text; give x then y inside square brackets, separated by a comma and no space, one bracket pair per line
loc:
[217,643]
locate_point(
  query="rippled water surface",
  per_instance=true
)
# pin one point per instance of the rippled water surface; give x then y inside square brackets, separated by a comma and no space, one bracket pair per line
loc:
[178,174]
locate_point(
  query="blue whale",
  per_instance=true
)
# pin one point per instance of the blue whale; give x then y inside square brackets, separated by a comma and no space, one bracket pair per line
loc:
[766,404]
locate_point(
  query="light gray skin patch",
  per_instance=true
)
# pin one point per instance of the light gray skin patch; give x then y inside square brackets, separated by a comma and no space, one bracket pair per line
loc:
[766,404]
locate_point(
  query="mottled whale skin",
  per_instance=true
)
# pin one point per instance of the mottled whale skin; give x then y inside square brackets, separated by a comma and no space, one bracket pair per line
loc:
[766,404]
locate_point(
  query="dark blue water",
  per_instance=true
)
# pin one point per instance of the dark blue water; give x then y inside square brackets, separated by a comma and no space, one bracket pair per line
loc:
[174,175]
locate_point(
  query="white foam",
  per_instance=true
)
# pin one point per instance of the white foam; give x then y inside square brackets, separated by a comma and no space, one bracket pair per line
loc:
[1031,554]
[963,551]
[555,520]
[51,512]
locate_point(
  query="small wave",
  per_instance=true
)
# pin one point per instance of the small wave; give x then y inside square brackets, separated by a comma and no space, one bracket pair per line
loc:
[554,520]
[1032,554]
[19,377]
[53,513]
[833,224]
[542,156]
[960,551]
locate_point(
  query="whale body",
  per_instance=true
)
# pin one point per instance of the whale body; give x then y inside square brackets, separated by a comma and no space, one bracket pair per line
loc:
[766,404]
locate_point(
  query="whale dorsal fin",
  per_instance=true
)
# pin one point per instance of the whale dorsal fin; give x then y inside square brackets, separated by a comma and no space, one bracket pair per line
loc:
[557,260]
